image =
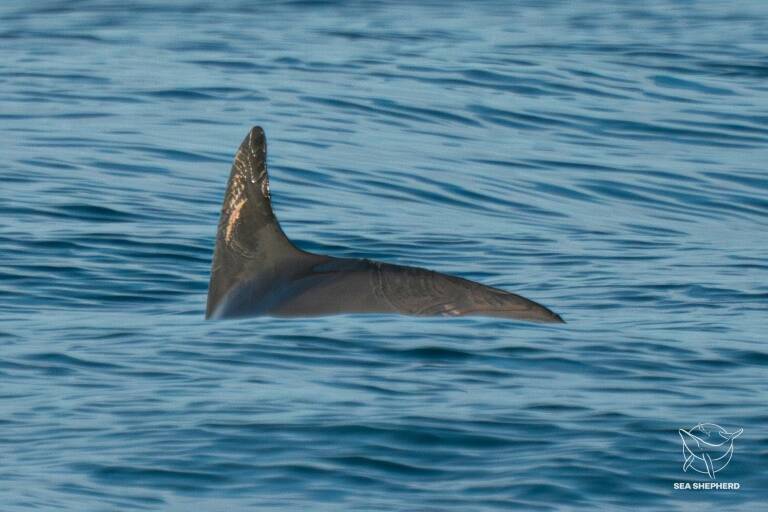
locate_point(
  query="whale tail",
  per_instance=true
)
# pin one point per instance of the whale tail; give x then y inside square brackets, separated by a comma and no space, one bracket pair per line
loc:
[249,238]
[257,270]
[733,435]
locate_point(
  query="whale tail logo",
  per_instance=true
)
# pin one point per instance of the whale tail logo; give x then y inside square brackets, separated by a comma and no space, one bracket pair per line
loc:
[707,448]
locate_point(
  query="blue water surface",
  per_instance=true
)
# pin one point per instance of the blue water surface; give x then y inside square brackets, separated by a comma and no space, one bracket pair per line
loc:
[607,159]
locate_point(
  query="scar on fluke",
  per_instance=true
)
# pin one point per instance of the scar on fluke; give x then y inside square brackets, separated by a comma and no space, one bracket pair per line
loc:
[257,270]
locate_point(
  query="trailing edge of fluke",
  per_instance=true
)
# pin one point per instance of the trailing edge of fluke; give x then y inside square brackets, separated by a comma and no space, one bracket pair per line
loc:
[258,271]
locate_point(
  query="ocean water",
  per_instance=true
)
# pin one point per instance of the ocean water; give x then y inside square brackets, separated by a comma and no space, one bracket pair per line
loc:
[605,159]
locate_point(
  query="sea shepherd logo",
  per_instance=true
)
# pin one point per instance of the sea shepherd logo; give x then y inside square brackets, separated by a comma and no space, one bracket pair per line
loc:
[707,449]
